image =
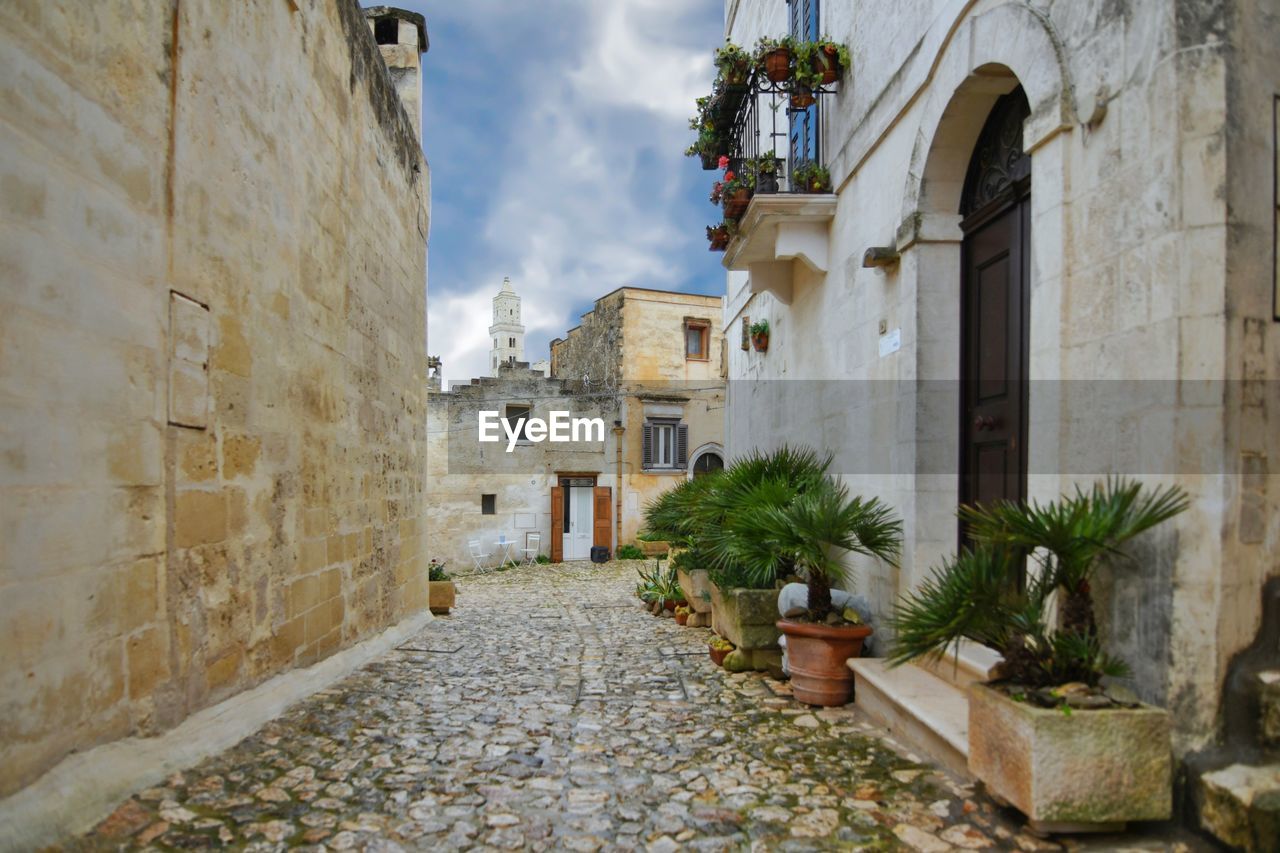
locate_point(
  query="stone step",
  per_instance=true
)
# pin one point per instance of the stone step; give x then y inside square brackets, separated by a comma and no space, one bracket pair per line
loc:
[1240,805]
[920,709]
[963,664]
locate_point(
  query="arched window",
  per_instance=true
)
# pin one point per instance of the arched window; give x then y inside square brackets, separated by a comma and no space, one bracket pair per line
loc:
[706,463]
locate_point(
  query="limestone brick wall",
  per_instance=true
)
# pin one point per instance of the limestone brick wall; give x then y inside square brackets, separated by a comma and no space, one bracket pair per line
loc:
[1150,247]
[213,225]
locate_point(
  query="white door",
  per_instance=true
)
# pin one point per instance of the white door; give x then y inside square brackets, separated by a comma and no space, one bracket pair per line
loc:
[577,542]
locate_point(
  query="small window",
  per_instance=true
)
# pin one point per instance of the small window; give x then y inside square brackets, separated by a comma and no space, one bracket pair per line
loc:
[665,445]
[488,504]
[387,31]
[707,463]
[511,342]
[518,414]
[696,338]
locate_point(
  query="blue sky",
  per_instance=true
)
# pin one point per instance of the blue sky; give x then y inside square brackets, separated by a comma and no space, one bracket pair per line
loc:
[555,132]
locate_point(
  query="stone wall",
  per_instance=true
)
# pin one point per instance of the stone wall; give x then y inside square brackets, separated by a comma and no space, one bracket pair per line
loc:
[1150,261]
[211,358]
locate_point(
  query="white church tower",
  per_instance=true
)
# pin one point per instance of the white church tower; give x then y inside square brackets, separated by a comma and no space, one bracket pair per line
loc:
[507,332]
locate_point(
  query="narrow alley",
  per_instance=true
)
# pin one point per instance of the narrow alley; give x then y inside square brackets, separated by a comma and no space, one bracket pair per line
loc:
[551,711]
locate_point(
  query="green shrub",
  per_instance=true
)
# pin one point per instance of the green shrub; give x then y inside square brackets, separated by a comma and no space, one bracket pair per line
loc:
[543,558]
[436,572]
[629,552]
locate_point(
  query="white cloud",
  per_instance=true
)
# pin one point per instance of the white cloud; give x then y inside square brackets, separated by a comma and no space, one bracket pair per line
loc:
[585,196]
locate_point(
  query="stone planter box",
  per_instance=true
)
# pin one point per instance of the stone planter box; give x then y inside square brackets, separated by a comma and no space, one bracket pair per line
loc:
[746,618]
[1090,770]
[441,596]
[696,586]
[655,549]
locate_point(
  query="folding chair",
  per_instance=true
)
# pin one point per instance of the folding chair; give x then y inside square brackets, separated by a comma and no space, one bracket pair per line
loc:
[532,545]
[478,556]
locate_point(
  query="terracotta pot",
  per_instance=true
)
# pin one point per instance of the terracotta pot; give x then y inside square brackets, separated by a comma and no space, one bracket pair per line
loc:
[719,241]
[777,65]
[718,655]
[802,98]
[669,605]
[816,654]
[760,342]
[682,618]
[736,204]
[827,63]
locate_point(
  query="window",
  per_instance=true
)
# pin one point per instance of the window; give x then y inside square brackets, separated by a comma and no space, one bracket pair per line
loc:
[706,463]
[387,31]
[665,445]
[516,414]
[488,504]
[803,15]
[511,342]
[697,338]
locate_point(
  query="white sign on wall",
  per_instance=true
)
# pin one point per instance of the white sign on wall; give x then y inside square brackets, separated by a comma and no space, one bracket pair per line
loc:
[891,342]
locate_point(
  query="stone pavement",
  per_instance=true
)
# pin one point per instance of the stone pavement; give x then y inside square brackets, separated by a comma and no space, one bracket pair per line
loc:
[550,711]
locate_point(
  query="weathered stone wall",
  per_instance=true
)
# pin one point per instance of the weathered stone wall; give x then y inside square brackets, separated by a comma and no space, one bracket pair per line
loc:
[211,359]
[591,352]
[1150,260]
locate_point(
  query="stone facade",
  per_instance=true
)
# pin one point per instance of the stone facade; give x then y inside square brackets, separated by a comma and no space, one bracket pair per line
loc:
[211,466]
[1151,127]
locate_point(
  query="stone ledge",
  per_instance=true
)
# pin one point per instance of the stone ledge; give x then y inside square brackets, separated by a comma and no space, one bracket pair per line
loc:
[83,788]
[917,706]
[778,231]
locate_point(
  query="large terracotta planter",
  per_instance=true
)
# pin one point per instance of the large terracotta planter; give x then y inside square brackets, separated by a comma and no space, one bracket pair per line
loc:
[816,655]
[655,549]
[441,596]
[745,617]
[1090,769]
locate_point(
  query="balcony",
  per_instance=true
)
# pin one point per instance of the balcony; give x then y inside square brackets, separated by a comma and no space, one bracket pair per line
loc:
[777,209]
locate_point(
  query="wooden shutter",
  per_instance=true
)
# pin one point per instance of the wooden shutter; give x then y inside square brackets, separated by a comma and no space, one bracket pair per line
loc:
[602,536]
[682,445]
[557,524]
[646,454]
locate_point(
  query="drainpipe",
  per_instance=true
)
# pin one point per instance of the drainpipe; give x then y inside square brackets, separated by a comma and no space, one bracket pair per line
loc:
[617,513]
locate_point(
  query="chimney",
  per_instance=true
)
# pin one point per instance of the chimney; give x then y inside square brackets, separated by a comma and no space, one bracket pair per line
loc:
[402,37]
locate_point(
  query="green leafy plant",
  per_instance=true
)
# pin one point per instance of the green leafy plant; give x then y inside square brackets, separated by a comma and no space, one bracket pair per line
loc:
[629,552]
[980,594]
[720,644]
[436,572]
[766,164]
[803,72]
[543,558]
[811,178]
[760,327]
[733,63]
[815,531]
[829,46]
[659,585]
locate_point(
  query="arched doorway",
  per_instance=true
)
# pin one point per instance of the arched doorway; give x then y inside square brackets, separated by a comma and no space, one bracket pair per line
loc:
[995,308]
[705,461]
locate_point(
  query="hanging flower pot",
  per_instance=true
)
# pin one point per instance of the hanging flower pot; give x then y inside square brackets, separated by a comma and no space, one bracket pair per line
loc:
[718,237]
[826,61]
[708,160]
[760,336]
[801,97]
[777,64]
[735,203]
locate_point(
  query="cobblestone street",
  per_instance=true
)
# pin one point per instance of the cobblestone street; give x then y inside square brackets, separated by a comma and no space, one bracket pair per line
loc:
[551,711]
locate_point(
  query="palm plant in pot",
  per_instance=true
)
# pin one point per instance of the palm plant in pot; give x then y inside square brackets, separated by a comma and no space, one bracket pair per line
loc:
[760,335]
[816,531]
[1111,761]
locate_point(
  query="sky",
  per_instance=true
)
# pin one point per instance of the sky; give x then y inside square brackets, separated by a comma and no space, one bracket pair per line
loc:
[555,133]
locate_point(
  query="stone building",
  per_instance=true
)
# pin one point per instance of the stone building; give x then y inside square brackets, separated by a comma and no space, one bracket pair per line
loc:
[212,459]
[507,331]
[647,364]
[1064,196]
[661,354]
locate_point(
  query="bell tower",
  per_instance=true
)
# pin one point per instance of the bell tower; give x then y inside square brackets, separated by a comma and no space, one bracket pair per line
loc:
[507,332]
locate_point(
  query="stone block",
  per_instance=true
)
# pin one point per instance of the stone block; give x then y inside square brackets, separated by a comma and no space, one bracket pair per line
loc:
[1088,767]
[1240,806]
[188,362]
[746,617]
[148,659]
[240,455]
[199,518]
[442,596]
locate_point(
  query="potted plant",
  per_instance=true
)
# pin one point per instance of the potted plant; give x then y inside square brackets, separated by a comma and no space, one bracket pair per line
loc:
[765,168]
[1046,734]
[720,649]
[760,335]
[773,57]
[828,59]
[811,178]
[733,63]
[718,237]
[815,531]
[441,593]
[734,192]
[682,614]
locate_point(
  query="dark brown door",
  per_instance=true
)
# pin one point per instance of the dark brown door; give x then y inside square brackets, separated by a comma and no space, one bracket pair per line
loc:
[995,311]
[557,524]
[602,518]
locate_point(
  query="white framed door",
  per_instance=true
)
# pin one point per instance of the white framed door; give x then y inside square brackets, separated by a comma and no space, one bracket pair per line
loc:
[578,537]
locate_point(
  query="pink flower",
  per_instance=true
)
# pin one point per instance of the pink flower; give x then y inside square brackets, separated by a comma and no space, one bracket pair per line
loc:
[724,162]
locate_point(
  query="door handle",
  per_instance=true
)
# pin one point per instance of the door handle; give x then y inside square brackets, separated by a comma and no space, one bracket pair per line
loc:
[982,422]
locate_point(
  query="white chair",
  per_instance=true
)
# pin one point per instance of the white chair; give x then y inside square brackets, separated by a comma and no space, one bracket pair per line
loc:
[532,545]
[478,556]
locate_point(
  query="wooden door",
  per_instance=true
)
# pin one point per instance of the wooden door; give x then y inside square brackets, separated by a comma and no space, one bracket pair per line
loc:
[557,524]
[995,311]
[603,518]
